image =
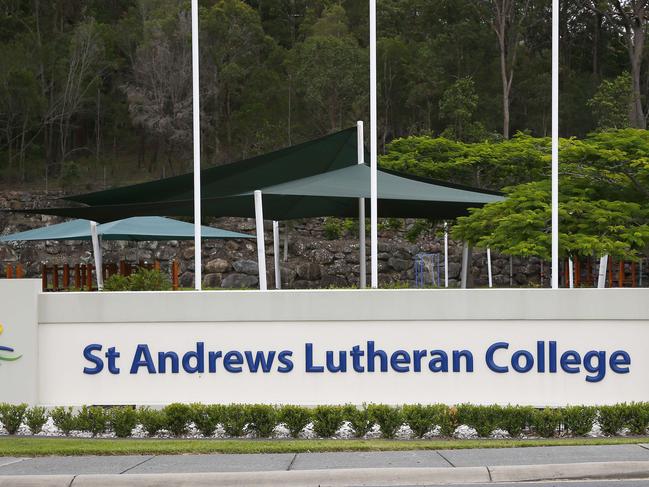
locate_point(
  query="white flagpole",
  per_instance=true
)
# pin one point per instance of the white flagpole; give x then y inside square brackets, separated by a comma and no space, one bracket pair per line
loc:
[96,250]
[491,282]
[198,277]
[278,270]
[555,144]
[261,243]
[445,254]
[361,212]
[373,150]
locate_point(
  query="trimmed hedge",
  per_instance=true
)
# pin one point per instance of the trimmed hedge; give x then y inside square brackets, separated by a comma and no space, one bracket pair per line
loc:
[260,420]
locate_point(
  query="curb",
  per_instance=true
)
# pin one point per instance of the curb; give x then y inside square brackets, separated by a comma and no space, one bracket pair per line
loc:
[381,477]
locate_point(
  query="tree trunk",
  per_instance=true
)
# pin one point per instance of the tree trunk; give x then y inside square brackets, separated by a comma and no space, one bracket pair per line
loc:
[636,44]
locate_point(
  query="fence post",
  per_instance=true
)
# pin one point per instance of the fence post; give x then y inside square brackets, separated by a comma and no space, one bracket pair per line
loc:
[20,271]
[633,275]
[610,272]
[77,276]
[620,279]
[9,270]
[174,275]
[66,276]
[55,277]
[83,272]
[89,276]
[578,272]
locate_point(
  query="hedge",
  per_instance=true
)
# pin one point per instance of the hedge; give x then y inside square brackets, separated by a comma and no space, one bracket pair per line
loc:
[260,420]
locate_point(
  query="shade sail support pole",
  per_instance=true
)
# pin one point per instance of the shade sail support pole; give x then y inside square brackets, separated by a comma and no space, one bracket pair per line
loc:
[261,244]
[445,254]
[278,270]
[491,281]
[571,273]
[555,144]
[373,150]
[362,257]
[96,252]
[198,276]
[601,276]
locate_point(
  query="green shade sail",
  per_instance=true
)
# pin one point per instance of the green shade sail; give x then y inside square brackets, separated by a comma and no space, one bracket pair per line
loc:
[328,153]
[132,229]
[333,193]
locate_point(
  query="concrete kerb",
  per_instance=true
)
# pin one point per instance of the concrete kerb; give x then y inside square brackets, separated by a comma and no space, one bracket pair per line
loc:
[349,477]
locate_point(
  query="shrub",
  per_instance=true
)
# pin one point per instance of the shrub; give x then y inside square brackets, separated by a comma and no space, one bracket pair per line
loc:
[333,228]
[359,418]
[421,419]
[446,419]
[64,419]
[546,421]
[149,280]
[234,419]
[177,418]
[262,419]
[483,419]
[117,282]
[11,416]
[389,418]
[295,418]
[122,420]
[579,419]
[152,420]
[612,418]
[207,418]
[637,417]
[327,420]
[92,419]
[35,418]
[514,419]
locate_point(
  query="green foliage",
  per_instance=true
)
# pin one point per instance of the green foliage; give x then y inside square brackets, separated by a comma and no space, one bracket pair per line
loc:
[421,419]
[327,420]
[545,422]
[235,418]
[333,228]
[637,417]
[93,419]
[417,229]
[142,280]
[35,418]
[122,420]
[117,282]
[579,419]
[262,419]
[152,420]
[612,418]
[11,416]
[359,419]
[64,419]
[612,102]
[177,418]
[389,418]
[484,419]
[295,418]
[207,417]
[514,419]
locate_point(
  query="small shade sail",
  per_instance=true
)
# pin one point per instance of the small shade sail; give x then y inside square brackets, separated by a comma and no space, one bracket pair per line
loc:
[332,193]
[317,156]
[132,229]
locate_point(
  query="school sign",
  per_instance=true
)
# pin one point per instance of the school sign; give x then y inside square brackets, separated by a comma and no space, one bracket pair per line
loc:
[535,347]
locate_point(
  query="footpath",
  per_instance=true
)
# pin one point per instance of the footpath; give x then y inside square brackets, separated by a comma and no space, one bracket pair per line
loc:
[405,468]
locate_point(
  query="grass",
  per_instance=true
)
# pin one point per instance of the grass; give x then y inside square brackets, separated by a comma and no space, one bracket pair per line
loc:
[33,446]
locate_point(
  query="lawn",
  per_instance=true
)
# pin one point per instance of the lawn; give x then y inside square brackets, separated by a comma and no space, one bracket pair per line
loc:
[35,446]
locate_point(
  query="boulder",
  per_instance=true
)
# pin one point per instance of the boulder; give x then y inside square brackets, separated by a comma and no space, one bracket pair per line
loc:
[322,256]
[308,271]
[238,281]
[249,267]
[212,280]
[218,266]
[399,264]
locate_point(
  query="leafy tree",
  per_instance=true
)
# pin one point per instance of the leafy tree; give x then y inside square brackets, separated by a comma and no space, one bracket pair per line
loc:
[458,105]
[612,103]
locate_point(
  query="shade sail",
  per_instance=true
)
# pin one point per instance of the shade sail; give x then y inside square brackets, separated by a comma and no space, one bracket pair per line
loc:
[333,193]
[132,229]
[328,153]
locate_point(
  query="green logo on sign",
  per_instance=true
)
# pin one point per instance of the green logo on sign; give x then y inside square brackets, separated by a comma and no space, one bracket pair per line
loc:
[7,353]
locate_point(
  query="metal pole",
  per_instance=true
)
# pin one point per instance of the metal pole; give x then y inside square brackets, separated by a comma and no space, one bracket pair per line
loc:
[362,258]
[278,271]
[96,252]
[373,150]
[466,262]
[198,277]
[555,144]
[571,274]
[601,277]
[445,254]
[491,282]
[261,244]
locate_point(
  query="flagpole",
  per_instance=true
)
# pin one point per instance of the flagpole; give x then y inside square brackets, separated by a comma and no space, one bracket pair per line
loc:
[373,150]
[197,150]
[555,144]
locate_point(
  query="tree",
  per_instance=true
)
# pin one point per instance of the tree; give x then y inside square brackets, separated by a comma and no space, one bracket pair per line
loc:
[612,103]
[458,105]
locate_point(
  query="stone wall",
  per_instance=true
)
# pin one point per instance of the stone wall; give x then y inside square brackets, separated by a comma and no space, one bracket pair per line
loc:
[312,260]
